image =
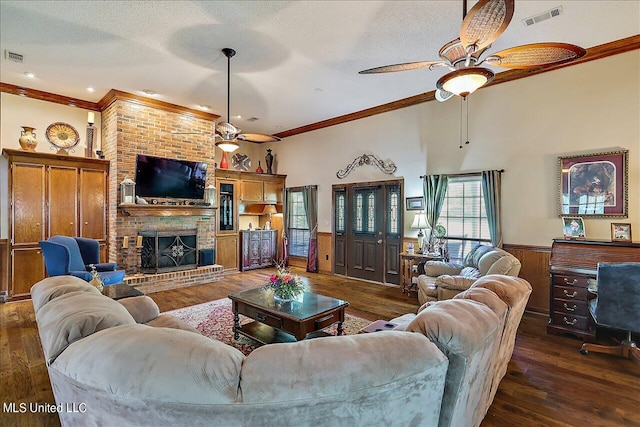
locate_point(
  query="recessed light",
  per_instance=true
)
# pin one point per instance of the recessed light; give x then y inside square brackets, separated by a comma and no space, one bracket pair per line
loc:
[238,116]
[29,74]
[149,92]
[204,107]
[90,89]
[318,89]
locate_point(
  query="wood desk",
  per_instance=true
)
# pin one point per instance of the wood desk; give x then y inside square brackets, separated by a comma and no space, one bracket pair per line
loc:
[407,262]
[572,264]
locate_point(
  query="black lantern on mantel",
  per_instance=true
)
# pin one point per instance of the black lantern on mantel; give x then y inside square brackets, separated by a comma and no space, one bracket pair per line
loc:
[127,191]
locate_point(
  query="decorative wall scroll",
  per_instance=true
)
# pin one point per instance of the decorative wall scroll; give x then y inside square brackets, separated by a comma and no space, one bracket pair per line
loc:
[367,159]
[594,185]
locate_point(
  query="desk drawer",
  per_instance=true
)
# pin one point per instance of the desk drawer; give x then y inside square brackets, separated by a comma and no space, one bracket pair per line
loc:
[567,280]
[570,293]
[572,307]
[570,321]
[263,317]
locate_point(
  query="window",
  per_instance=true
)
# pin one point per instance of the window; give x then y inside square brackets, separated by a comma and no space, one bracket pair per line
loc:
[364,215]
[341,211]
[298,225]
[393,211]
[464,216]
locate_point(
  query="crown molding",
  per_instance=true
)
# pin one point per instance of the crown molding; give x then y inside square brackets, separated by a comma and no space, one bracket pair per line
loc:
[47,96]
[116,95]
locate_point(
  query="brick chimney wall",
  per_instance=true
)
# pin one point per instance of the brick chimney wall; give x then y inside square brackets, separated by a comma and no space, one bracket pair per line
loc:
[130,128]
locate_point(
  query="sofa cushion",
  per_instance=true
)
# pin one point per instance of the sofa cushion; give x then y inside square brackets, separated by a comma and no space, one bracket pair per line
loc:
[436,268]
[74,316]
[167,365]
[473,257]
[142,308]
[52,287]
[169,321]
[328,366]
[470,272]
[488,298]
[508,265]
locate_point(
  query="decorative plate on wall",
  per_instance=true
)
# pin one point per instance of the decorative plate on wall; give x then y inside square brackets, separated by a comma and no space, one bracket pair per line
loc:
[241,162]
[63,136]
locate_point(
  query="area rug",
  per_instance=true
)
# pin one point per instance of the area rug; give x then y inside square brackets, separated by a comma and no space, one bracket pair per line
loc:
[214,319]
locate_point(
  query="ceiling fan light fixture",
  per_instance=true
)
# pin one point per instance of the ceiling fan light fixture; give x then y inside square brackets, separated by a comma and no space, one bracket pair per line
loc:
[465,81]
[228,146]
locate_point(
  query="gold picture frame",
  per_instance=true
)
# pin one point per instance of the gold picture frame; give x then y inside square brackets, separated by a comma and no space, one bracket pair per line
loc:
[620,232]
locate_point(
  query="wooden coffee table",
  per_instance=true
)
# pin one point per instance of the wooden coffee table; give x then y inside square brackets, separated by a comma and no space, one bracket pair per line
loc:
[287,322]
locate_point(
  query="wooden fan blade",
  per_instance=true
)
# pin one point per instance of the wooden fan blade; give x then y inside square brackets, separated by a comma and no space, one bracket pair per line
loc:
[407,66]
[485,22]
[258,137]
[536,55]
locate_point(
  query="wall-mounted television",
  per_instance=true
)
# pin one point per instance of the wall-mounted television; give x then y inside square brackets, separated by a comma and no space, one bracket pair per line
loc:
[160,177]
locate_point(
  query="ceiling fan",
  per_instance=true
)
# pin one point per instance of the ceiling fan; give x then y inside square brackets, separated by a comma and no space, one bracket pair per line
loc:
[228,133]
[484,23]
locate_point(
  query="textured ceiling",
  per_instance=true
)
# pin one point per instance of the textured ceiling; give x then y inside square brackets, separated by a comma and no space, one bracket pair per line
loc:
[297,61]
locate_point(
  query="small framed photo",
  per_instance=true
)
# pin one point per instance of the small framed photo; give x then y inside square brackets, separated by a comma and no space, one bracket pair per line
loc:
[620,232]
[414,203]
[573,227]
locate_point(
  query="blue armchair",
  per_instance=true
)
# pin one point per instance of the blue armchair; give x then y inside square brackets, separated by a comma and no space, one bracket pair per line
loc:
[65,255]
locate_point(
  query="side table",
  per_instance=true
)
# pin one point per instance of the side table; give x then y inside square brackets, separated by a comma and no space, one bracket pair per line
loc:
[407,261]
[120,291]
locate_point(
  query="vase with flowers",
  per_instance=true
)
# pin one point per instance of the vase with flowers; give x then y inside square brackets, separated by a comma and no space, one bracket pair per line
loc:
[95,278]
[285,285]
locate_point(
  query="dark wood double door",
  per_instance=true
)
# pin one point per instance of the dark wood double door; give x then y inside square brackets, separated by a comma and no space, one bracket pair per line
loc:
[367,230]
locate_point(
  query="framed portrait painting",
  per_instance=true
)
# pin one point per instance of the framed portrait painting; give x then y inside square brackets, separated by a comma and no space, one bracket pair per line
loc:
[594,185]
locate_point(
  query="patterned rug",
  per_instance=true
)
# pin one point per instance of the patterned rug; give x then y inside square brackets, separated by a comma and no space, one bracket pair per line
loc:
[214,319]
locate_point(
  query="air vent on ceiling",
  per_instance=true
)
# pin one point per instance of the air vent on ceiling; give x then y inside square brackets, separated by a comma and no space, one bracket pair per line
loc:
[557,11]
[253,119]
[15,57]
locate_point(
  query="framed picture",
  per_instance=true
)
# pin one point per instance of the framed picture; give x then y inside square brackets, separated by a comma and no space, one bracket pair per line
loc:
[620,232]
[594,185]
[573,227]
[414,203]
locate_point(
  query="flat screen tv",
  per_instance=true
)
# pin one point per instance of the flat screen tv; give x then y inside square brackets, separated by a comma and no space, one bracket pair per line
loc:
[160,177]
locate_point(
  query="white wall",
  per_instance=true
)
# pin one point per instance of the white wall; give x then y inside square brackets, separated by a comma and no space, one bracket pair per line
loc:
[521,126]
[17,111]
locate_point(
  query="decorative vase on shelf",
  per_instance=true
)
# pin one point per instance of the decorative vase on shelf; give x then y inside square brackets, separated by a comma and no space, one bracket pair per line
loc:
[269,161]
[259,169]
[27,139]
[224,164]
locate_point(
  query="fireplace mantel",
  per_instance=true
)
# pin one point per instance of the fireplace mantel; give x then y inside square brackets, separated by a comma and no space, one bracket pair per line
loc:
[166,210]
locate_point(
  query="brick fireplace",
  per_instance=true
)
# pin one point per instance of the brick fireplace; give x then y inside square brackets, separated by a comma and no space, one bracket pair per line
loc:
[130,127]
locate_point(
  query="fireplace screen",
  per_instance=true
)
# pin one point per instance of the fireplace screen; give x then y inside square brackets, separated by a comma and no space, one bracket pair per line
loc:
[169,250]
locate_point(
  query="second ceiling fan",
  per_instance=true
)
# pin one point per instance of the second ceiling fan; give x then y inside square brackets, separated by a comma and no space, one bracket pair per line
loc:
[484,23]
[225,131]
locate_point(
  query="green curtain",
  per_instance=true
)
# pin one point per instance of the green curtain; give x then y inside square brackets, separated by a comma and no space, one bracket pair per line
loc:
[491,191]
[310,200]
[434,188]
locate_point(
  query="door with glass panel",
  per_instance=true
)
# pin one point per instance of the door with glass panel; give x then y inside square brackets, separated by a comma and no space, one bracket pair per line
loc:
[367,236]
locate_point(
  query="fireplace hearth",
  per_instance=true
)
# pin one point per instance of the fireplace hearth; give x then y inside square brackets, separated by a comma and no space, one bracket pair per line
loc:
[169,250]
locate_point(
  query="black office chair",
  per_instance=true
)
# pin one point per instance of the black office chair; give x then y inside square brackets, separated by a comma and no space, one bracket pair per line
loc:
[617,306]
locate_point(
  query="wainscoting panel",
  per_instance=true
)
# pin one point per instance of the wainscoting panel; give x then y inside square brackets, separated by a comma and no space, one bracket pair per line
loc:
[535,270]
[325,253]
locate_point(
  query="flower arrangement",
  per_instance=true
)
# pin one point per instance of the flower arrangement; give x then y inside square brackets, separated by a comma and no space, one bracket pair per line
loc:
[95,281]
[286,286]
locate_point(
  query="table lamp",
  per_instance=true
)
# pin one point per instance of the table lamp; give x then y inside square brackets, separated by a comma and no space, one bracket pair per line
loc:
[420,222]
[269,210]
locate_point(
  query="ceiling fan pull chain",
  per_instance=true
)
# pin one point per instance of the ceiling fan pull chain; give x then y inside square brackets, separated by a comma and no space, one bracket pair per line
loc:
[461,123]
[466,103]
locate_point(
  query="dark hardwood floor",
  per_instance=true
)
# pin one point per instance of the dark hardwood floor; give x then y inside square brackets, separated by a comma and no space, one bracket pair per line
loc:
[549,383]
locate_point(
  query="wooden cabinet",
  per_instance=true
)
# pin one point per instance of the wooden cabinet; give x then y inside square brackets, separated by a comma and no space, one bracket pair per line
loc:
[252,191]
[227,251]
[245,194]
[572,264]
[259,248]
[49,195]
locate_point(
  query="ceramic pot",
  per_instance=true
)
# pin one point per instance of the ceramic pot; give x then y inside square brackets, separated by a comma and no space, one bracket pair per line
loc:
[269,161]
[259,169]
[27,139]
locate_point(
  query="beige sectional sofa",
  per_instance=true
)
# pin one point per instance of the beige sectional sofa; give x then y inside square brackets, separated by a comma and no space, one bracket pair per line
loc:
[442,280]
[128,365]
